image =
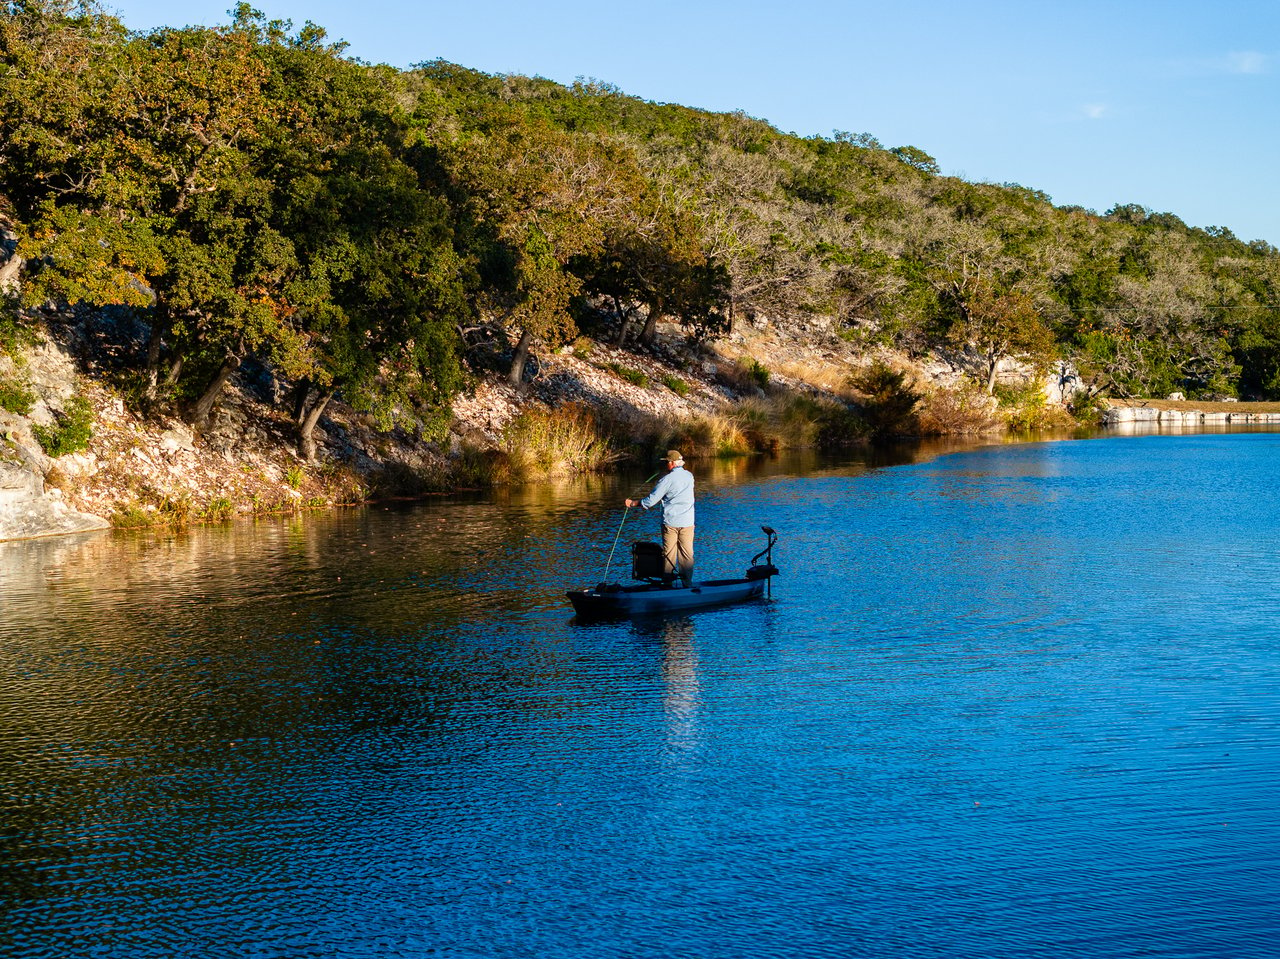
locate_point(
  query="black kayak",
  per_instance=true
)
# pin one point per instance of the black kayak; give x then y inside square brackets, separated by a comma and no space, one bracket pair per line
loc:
[654,596]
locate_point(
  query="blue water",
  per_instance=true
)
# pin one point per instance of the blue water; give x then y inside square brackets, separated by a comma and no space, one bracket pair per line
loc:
[1015,701]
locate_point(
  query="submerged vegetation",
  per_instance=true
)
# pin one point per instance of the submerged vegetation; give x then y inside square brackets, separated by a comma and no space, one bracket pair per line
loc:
[249,194]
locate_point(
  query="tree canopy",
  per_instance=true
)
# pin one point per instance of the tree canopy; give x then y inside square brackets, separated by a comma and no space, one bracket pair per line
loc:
[256,194]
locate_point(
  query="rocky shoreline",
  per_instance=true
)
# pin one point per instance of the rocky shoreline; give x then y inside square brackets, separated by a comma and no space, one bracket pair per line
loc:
[157,471]
[136,470]
[1125,415]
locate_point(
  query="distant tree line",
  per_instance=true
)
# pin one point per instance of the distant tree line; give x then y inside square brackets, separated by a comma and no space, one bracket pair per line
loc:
[254,193]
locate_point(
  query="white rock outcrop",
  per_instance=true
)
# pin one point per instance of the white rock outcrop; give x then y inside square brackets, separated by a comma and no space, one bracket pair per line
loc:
[1119,415]
[27,511]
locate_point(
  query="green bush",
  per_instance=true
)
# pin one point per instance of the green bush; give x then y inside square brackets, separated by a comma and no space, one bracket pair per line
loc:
[70,433]
[15,397]
[840,425]
[889,402]
[1087,408]
[676,385]
[1027,408]
[14,334]
[628,374]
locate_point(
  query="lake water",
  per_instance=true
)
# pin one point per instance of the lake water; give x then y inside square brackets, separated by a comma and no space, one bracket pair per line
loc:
[1013,701]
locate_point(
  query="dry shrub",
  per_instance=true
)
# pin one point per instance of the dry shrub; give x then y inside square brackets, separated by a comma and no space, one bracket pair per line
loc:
[959,410]
[830,377]
[58,478]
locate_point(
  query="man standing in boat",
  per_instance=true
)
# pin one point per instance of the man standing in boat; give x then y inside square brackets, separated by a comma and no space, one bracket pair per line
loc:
[675,492]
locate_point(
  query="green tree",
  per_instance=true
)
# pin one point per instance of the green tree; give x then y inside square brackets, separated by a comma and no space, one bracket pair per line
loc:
[376,289]
[1002,324]
[917,158]
[534,199]
[150,196]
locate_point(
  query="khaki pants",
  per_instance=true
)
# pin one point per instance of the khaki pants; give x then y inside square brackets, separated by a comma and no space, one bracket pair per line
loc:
[677,544]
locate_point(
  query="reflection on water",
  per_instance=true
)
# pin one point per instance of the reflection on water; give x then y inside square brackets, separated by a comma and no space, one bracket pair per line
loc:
[1017,700]
[680,681]
[1189,429]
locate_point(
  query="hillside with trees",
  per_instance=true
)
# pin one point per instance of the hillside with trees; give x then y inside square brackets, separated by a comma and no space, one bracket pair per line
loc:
[248,194]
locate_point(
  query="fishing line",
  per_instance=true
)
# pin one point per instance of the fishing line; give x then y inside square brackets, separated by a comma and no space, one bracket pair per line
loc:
[619,533]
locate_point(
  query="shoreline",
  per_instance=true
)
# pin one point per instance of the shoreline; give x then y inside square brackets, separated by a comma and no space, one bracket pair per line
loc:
[157,472]
[1183,413]
[901,452]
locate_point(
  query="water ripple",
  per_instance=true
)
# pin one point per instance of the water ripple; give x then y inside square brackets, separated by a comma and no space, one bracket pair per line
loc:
[1021,701]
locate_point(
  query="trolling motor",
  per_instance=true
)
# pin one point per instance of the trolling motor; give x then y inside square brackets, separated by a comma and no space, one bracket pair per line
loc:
[766,570]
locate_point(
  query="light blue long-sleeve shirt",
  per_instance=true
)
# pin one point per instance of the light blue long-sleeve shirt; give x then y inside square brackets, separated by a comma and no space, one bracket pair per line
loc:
[675,492]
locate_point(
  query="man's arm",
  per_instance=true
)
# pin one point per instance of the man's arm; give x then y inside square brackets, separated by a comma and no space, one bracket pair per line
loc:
[659,491]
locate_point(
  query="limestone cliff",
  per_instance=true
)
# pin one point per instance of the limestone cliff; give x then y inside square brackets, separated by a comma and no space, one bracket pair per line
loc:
[28,511]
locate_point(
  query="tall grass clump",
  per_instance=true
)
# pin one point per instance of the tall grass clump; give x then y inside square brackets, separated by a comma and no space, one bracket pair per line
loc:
[675,384]
[827,376]
[703,434]
[133,516]
[217,510]
[540,443]
[798,421]
[634,377]
[755,425]
[785,421]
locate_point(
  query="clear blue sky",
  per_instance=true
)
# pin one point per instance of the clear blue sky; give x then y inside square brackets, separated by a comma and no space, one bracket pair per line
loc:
[1168,103]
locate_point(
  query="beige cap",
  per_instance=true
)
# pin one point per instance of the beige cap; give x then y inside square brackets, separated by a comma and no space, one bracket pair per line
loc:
[673,456]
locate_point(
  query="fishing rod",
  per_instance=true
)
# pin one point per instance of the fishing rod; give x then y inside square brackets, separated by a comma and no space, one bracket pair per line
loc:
[619,533]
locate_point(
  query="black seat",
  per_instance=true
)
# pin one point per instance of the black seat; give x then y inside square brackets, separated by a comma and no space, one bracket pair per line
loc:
[646,561]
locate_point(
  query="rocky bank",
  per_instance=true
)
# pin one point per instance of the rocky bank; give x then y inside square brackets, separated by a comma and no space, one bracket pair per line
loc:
[137,470]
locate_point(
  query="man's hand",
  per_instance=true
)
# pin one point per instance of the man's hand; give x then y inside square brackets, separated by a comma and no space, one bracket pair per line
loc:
[632,502]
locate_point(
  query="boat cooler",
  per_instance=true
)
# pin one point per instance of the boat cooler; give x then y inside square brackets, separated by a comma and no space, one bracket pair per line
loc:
[646,561]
